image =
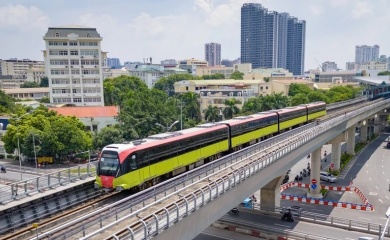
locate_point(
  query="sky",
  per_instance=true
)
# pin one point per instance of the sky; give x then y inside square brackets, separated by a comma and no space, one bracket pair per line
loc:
[178,29]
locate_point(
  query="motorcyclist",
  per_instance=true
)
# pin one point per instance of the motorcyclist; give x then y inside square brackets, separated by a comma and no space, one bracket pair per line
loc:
[3,169]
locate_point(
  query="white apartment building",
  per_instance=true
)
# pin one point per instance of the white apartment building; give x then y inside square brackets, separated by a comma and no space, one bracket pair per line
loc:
[374,65]
[73,63]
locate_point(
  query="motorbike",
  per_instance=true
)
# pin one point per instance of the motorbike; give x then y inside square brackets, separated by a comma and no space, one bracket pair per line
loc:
[235,211]
[3,170]
[298,178]
[304,173]
[287,217]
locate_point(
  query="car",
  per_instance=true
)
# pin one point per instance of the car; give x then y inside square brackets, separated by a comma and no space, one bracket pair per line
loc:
[388,145]
[327,177]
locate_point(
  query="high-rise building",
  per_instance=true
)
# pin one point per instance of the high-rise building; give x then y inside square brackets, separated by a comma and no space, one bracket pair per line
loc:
[113,63]
[329,66]
[365,54]
[351,66]
[212,52]
[73,64]
[272,40]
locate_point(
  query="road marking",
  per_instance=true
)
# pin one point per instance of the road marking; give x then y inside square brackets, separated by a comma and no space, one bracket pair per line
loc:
[367,166]
[387,180]
[367,171]
[382,166]
[280,225]
[376,187]
[350,238]
[369,178]
[369,219]
[383,172]
[373,193]
[380,201]
[386,197]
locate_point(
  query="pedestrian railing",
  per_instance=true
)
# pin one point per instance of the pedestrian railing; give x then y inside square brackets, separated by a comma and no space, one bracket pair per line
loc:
[367,227]
[42,183]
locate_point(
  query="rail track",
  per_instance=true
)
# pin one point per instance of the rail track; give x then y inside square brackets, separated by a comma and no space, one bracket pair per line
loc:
[62,216]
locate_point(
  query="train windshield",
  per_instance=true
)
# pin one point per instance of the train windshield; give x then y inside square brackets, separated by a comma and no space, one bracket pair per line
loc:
[108,164]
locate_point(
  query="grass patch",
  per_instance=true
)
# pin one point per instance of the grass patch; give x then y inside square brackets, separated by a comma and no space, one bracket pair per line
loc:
[324,192]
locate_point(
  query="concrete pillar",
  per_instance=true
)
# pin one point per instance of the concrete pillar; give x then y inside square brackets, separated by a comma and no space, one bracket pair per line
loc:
[336,150]
[270,193]
[315,169]
[351,140]
[363,133]
[376,124]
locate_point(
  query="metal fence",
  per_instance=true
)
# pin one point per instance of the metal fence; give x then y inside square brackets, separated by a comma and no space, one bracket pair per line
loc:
[42,183]
[167,216]
[367,227]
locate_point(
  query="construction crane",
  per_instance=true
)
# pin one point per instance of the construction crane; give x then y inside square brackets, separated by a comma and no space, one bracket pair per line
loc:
[319,65]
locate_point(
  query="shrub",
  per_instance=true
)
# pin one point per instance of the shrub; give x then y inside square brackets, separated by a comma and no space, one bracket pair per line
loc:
[2,156]
[323,192]
[10,156]
[359,147]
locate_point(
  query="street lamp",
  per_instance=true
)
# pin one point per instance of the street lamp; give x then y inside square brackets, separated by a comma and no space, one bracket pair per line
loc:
[387,214]
[167,128]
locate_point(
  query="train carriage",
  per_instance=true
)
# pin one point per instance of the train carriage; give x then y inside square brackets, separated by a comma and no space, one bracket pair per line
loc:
[142,163]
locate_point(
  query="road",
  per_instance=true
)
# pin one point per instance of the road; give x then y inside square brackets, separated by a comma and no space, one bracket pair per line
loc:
[298,226]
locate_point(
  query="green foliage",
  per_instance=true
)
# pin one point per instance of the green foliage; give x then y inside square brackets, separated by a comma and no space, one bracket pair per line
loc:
[29,85]
[299,98]
[297,88]
[384,73]
[44,82]
[7,103]
[323,192]
[265,103]
[231,109]
[359,147]
[211,114]
[191,105]
[237,75]
[167,84]
[53,135]
[117,89]
[344,160]
[267,79]
[2,156]
[10,156]
[106,136]
[45,100]
[214,76]
[316,96]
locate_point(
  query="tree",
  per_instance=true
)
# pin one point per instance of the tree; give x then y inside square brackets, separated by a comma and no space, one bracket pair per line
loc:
[317,96]
[7,103]
[267,79]
[237,75]
[106,136]
[211,114]
[44,82]
[296,88]
[167,84]
[44,100]
[29,85]
[384,73]
[298,99]
[231,109]
[214,76]
[55,136]
[192,105]
[253,105]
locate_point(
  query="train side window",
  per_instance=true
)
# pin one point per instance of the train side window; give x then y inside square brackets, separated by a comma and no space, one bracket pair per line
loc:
[133,162]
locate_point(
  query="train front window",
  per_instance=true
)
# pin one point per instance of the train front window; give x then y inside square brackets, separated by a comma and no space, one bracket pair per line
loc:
[108,164]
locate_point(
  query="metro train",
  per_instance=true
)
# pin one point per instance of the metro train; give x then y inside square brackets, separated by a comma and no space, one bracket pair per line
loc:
[142,163]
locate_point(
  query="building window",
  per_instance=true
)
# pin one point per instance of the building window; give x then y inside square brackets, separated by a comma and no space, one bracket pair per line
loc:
[74,52]
[77,99]
[94,128]
[57,34]
[88,35]
[72,43]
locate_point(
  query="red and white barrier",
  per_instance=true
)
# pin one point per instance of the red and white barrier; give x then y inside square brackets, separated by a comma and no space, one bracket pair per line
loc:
[364,207]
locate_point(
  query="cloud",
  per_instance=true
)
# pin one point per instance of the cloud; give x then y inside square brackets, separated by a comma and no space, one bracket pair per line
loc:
[361,10]
[144,23]
[203,5]
[339,3]
[23,18]
[316,10]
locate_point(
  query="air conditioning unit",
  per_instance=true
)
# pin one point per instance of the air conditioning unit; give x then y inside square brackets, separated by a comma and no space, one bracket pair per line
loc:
[95,66]
[82,57]
[82,66]
[95,56]
[66,66]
